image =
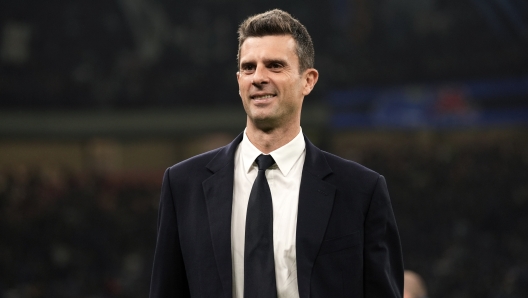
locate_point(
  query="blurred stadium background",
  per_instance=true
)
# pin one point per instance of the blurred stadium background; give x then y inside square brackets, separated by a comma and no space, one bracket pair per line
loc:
[98,97]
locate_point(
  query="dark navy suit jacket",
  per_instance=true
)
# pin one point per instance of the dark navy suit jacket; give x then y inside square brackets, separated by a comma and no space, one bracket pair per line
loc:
[347,239]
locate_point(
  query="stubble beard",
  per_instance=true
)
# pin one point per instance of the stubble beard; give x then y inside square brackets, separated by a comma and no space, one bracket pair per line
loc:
[268,122]
[265,123]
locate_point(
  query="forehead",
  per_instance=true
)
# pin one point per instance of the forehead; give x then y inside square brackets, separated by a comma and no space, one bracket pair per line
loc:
[269,47]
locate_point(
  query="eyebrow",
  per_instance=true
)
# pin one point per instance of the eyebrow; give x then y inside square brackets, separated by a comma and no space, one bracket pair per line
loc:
[246,63]
[266,62]
[280,61]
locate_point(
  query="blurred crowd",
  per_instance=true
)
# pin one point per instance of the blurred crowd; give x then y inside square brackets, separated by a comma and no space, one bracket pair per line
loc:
[461,209]
[462,212]
[72,234]
[108,54]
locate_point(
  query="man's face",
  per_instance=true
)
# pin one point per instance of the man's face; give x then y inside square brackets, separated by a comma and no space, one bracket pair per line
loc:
[271,87]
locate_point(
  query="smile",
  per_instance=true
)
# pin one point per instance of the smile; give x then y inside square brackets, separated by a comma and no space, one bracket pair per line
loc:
[262,96]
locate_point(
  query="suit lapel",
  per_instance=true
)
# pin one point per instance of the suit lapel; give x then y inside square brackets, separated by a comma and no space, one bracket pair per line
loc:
[316,198]
[218,191]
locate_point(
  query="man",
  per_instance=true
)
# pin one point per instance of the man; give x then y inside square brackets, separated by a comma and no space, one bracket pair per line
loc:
[271,215]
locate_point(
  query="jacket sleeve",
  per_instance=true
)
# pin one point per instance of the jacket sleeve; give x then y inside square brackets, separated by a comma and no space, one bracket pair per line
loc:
[168,271]
[383,275]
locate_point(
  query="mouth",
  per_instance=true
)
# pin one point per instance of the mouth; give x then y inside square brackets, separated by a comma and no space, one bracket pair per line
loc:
[262,97]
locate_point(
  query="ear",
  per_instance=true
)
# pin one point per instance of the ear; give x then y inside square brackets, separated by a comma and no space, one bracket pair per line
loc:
[310,77]
[238,75]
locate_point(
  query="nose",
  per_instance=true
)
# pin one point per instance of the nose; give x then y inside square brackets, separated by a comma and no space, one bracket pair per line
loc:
[260,76]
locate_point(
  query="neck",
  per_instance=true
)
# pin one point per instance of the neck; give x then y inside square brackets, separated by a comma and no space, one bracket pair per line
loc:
[269,140]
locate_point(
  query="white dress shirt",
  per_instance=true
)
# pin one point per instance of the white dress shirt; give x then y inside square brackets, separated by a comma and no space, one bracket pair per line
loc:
[284,180]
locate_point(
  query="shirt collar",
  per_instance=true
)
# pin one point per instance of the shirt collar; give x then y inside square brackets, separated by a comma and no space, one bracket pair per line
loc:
[285,156]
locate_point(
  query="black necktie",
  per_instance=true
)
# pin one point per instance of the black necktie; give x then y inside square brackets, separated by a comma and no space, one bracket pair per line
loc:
[259,264]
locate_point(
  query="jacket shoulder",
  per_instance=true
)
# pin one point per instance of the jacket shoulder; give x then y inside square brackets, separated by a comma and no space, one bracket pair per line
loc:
[351,173]
[340,164]
[199,161]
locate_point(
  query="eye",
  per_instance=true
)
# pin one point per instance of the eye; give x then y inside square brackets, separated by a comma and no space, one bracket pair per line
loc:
[247,68]
[275,65]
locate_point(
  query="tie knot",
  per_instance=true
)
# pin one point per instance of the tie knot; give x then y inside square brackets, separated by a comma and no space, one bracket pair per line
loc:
[264,162]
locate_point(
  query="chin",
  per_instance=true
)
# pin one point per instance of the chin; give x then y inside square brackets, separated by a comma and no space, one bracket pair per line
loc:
[265,123]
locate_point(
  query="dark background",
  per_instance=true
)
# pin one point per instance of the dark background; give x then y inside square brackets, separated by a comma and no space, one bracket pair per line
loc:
[129,54]
[98,97]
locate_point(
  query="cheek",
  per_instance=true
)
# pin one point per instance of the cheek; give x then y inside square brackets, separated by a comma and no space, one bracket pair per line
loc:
[241,82]
[242,89]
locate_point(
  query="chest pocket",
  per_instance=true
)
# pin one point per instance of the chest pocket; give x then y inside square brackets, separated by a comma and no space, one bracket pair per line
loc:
[340,243]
